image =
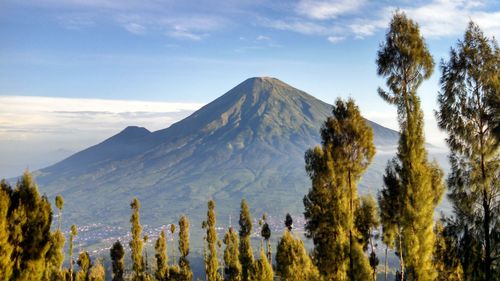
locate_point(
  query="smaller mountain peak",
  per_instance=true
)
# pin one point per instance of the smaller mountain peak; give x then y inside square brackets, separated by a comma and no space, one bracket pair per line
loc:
[135,129]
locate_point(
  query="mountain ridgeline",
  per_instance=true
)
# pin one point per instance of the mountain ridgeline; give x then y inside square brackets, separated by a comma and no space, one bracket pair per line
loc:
[248,143]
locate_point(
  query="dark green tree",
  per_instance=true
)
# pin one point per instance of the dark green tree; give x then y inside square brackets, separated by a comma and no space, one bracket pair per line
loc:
[211,261]
[367,221]
[232,268]
[390,200]
[404,60]
[335,168]
[137,243]
[265,232]
[246,252]
[59,205]
[469,82]
[172,232]
[117,254]
[446,255]
[289,222]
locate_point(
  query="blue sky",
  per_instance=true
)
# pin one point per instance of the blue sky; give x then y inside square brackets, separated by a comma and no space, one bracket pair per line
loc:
[190,52]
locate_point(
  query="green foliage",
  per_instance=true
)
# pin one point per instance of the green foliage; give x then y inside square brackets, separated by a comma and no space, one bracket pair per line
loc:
[405,62]
[246,252]
[468,112]
[161,257]
[289,221]
[367,221]
[30,218]
[6,263]
[117,254]
[72,235]
[446,258]
[97,272]
[211,261]
[84,263]
[262,269]
[292,261]
[185,273]
[232,265]
[55,256]
[137,243]
[335,168]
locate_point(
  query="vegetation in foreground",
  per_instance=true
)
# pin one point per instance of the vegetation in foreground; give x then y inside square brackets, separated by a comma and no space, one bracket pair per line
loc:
[465,246]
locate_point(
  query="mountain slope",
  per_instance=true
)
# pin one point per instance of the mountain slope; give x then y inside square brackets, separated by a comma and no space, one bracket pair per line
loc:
[248,143]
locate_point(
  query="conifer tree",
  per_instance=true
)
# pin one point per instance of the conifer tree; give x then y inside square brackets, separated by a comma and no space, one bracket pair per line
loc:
[406,62]
[211,261]
[30,221]
[55,257]
[292,261]
[262,269]
[145,238]
[117,254]
[446,255]
[72,235]
[469,82]
[5,246]
[97,272]
[335,168]
[232,269]
[161,257]
[84,263]
[390,200]
[137,243]
[367,221]
[59,205]
[185,268]
[288,222]
[246,252]
[265,232]
[172,232]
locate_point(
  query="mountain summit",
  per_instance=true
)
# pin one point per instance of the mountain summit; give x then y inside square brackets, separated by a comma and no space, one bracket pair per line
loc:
[248,143]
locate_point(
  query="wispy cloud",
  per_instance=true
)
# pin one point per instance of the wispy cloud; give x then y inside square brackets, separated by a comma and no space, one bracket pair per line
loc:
[135,28]
[327,9]
[335,39]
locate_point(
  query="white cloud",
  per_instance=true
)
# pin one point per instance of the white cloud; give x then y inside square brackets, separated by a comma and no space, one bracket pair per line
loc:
[263,38]
[335,39]
[135,28]
[32,129]
[327,9]
[296,25]
[443,18]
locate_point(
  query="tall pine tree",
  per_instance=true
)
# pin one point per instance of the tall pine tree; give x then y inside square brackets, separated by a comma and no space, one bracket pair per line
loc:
[246,252]
[406,62]
[211,261]
[232,265]
[185,269]
[335,168]
[137,243]
[6,263]
[117,254]
[469,82]
[161,257]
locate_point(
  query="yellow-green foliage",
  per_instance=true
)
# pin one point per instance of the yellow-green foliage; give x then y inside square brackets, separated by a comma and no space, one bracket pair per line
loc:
[97,272]
[232,268]
[161,257]
[211,261]
[246,253]
[406,62]
[84,263]
[5,247]
[292,261]
[335,168]
[137,243]
[185,273]
[262,269]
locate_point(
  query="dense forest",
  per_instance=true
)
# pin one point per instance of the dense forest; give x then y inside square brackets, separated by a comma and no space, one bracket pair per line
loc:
[342,225]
